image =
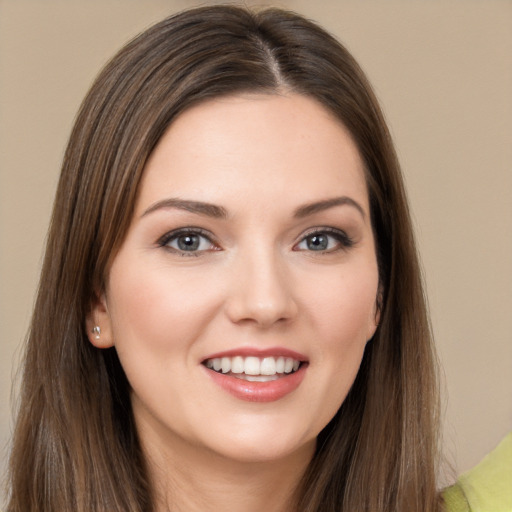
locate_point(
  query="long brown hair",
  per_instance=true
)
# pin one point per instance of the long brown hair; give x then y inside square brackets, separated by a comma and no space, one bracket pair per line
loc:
[75,444]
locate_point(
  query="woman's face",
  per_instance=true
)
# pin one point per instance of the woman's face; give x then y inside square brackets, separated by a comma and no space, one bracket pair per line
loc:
[242,298]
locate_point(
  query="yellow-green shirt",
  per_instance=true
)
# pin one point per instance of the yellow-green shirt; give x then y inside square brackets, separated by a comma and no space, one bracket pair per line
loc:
[487,487]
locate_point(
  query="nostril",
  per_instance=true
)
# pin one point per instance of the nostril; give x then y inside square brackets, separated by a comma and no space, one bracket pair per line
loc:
[263,314]
[260,292]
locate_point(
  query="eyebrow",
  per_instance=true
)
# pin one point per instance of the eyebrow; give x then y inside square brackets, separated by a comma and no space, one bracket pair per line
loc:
[207,209]
[319,206]
[219,212]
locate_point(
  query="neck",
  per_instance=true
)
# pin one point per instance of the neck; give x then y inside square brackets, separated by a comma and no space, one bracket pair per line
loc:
[188,481]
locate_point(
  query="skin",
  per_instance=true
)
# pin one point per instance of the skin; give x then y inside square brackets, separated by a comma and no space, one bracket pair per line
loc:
[255,282]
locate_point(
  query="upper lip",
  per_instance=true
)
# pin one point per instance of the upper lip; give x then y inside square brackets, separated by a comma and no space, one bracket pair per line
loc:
[259,352]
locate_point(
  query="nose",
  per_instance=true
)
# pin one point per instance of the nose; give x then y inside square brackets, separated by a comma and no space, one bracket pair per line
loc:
[261,291]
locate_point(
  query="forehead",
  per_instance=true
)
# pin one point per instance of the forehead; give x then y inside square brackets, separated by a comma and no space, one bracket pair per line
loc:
[255,146]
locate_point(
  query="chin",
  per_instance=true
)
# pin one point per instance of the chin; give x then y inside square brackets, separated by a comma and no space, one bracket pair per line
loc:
[255,446]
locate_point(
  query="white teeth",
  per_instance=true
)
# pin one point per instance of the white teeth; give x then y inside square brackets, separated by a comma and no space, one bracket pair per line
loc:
[237,364]
[268,366]
[258,378]
[254,366]
[226,364]
[288,365]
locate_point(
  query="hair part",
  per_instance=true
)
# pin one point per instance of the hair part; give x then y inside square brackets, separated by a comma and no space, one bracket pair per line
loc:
[75,427]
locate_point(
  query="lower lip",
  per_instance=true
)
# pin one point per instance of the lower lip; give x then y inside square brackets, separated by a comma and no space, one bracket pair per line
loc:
[259,391]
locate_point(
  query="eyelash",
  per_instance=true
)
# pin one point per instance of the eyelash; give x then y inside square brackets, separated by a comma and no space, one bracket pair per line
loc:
[343,241]
[182,232]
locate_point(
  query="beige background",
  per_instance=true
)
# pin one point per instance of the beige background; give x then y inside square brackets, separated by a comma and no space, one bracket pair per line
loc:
[443,71]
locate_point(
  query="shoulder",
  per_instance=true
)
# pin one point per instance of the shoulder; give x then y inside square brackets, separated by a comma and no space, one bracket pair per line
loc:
[487,487]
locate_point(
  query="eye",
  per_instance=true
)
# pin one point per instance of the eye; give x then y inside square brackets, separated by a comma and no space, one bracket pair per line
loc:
[191,241]
[325,240]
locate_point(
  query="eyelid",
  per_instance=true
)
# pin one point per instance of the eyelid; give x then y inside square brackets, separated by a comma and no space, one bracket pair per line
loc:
[342,238]
[170,235]
[345,241]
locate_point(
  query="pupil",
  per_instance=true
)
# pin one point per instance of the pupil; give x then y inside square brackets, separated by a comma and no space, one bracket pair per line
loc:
[188,242]
[317,242]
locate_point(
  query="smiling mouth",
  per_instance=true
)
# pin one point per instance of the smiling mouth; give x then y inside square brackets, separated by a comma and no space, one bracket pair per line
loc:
[254,369]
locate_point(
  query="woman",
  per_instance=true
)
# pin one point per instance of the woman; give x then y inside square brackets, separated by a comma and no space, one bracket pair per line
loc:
[230,312]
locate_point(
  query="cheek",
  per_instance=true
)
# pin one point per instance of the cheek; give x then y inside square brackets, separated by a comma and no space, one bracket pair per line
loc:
[345,310]
[344,321]
[156,309]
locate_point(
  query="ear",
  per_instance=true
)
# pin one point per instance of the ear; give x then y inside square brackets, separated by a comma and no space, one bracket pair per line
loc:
[99,324]
[375,317]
